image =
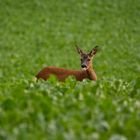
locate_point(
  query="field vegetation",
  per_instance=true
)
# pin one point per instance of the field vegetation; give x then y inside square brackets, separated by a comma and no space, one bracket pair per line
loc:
[39,33]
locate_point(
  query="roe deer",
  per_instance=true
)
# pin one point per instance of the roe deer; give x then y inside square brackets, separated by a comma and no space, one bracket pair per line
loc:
[61,73]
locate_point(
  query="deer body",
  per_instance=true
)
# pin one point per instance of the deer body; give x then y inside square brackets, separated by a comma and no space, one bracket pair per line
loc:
[62,74]
[86,73]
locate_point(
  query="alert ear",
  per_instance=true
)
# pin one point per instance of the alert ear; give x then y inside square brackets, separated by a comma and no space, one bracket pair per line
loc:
[79,50]
[93,51]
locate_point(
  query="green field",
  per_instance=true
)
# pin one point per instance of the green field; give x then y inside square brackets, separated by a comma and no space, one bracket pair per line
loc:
[39,33]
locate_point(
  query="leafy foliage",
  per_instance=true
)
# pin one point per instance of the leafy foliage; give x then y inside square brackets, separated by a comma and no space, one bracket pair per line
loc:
[39,33]
[70,110]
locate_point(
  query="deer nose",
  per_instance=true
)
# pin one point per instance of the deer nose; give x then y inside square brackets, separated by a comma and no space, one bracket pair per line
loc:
[83,66]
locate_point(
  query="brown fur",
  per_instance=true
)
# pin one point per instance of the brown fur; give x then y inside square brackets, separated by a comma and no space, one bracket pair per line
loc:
[62,73]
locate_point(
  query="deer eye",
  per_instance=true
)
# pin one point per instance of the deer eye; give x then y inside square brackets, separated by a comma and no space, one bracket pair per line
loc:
[81,59]
[88,59]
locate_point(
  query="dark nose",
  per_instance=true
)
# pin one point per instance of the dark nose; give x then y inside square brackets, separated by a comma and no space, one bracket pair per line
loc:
[83,66]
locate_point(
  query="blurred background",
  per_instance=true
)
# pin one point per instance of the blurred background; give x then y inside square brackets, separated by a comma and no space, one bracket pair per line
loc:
[39,33]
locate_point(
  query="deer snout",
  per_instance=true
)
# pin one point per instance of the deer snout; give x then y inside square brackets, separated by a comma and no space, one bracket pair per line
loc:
[83,66]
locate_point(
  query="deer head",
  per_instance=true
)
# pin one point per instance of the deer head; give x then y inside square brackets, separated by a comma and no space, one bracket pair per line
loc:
[86,58]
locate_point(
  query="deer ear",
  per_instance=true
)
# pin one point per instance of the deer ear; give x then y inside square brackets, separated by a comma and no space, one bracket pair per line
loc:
[93,51]
[79,50]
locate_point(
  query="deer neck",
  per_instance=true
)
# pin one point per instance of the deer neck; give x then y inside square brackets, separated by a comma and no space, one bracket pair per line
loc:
[91,73]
